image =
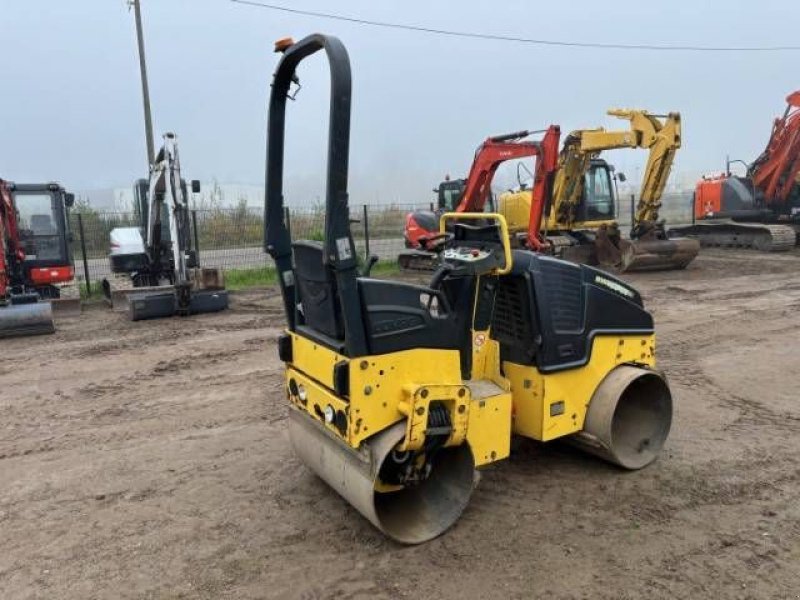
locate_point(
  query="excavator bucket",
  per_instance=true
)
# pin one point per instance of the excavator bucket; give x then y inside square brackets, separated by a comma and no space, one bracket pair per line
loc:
[17,320]
[68,304]
[657,255]
[649,253]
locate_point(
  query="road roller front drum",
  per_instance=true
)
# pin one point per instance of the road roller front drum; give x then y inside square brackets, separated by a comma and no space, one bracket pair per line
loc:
[412,514]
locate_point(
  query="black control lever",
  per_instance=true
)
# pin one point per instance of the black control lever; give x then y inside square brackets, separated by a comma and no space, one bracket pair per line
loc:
[371,261]
[443,271]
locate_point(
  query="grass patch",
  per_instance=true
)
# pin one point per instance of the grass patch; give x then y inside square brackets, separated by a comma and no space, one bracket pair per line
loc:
[93,293]
[243,279]
[385,267]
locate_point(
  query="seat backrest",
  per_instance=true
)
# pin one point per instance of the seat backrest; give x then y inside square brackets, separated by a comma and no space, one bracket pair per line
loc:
[316,286]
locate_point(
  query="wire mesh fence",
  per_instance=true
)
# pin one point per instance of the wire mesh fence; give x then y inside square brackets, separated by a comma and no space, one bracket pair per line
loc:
[232,238]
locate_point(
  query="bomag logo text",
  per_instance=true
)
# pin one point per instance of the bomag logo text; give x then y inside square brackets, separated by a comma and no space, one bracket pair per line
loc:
[613,285]
[396,324]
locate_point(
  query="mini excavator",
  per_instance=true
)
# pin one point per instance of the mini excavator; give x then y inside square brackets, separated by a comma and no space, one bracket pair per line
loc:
[398,392]
[155,270]
[473,194]
[37,275]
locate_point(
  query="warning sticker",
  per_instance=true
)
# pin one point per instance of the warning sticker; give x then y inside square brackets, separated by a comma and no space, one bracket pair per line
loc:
[343,248]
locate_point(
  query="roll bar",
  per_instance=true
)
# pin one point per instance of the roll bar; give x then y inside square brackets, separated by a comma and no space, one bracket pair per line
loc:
[339,250]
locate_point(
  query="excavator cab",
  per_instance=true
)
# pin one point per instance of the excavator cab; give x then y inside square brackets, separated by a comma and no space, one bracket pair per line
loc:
[36,268]
[449,193]
[42,211]
[398,392]
[598,202]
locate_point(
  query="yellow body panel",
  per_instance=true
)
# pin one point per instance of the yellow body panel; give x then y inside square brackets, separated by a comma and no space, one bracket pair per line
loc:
[391,387]
[551,405]
[489,430]
[378,384]
[317,360]
[417,406]
[516,208]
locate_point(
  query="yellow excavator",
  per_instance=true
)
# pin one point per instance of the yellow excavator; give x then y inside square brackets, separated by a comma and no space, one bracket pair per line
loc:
[580,224]
[397,392]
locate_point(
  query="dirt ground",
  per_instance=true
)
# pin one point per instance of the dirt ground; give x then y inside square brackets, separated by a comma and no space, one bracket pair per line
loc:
[150,460]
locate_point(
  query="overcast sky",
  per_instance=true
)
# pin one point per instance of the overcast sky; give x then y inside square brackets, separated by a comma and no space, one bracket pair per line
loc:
[71,101]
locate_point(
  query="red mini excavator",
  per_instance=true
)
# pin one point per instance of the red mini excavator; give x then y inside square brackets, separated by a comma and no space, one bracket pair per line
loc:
[762,209]
[35,257]
[421,228]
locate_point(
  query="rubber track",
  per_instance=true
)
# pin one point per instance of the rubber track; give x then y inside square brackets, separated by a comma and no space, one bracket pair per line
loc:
[741,235]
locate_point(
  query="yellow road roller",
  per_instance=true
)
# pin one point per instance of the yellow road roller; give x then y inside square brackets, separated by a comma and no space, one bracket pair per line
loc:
[399,392]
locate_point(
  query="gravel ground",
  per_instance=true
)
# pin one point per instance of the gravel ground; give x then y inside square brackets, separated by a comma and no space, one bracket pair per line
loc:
[150,460]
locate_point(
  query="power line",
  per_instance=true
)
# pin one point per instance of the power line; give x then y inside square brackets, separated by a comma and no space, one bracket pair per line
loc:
[510,38]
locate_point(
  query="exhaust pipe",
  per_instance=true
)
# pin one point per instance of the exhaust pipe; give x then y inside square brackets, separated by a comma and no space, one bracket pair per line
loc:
[18,320]
[629,418]
[411,515]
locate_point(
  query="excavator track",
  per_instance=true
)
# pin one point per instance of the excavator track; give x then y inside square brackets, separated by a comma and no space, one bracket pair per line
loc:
[417,260]
[755,236]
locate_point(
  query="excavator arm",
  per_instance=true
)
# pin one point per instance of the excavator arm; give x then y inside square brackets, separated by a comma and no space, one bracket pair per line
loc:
[166,189]
[488,157]
[12,254]
[661,138]
[776,170]
[501,148]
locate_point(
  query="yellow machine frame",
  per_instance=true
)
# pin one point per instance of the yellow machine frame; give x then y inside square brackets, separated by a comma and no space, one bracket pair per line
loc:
[484,410]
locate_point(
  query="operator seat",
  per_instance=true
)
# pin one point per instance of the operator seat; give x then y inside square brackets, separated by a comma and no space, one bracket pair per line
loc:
[318,298]
[396,316]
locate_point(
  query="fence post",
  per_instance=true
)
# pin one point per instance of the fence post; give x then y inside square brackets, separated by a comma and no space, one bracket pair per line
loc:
[366,232]
[633,209]
[196,239]
[83,253]
[288,219]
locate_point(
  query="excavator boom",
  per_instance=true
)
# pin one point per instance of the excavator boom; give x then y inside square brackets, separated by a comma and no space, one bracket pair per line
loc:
[489,156]
[776,170]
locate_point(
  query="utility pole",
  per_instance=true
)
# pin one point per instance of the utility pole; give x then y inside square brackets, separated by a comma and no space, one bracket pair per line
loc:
[148,122]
